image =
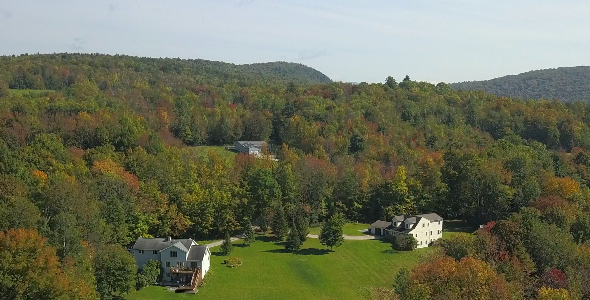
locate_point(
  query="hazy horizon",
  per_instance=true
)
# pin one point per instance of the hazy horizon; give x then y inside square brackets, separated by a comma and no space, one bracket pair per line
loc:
[450,41]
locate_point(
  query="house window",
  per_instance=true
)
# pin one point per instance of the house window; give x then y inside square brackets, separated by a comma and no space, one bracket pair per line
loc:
[155,252]
[438,222]
[420,243]
[167,274]
[167,264]
[140,251]
[431,233]
[423,225]
[173,254]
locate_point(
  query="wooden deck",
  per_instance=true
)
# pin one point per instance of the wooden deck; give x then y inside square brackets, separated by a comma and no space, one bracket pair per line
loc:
[194,283]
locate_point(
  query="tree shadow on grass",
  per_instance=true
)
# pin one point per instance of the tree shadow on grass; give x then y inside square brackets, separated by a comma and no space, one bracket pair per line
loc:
[313,251]
[459,226]
[306,251]
[266,238]
[278,251]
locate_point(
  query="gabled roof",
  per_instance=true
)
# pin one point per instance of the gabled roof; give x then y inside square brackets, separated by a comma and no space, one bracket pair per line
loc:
[412,220]
[161,244]
[399,218]
[381,224]
[197,253]
[432,217]
[252,144]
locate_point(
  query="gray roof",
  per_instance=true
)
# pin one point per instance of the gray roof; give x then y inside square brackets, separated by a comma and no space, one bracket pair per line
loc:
[399,218]
[381,224]
[412,220]
[197,253]
[161,244]
[431,217]
[252,144]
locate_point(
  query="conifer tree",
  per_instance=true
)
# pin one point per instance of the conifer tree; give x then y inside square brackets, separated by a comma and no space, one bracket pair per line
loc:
[302,226]
[249,236]
[226,247]
[293,242]
[279,223]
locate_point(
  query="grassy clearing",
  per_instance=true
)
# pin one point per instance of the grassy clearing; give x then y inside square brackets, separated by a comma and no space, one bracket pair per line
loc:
[32,92]
[205,242]
[158,293]
[348,229]
[268,272]
[203,151]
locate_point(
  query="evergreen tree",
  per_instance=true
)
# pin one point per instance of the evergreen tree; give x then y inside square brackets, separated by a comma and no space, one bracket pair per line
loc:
[390,82]
[293,242]
[249,236]
[226,247]
[331,232]
[302,225]
[279,222]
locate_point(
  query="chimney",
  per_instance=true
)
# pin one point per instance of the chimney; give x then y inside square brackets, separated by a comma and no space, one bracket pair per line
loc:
[168,239]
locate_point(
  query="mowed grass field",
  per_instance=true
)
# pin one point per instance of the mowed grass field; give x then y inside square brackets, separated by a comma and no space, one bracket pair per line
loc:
[348,229]
[203,151]
[25,92]
[268,272]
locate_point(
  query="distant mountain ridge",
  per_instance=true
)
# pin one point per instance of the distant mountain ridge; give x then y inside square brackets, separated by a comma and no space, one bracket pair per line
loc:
[566,84]
[46,71]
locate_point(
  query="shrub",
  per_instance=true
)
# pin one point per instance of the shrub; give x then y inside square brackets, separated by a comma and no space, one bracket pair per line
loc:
[404,242]
[233,262]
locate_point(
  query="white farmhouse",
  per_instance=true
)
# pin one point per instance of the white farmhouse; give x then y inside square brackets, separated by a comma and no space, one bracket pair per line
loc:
[425,228]
[183,262]
[251,147]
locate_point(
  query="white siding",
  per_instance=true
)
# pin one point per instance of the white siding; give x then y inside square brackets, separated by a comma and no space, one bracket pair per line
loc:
[427,232]
[174,261]
[206,264]
[143,258]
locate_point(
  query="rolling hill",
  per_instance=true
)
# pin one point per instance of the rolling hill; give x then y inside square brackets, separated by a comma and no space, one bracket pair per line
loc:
[566,84]
[59,71]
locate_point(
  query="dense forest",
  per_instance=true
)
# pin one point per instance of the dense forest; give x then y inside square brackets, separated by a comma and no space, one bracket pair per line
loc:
[566,84]
[98,150]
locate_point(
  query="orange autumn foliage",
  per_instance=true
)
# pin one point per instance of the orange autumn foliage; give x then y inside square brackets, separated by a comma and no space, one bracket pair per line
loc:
[31,270]
[109,167]
[564,187]
[469,278]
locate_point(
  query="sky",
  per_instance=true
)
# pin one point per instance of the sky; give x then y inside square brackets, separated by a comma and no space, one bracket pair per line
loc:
[352,41]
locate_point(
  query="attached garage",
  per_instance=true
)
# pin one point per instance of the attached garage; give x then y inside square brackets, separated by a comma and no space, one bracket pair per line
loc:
[378,227]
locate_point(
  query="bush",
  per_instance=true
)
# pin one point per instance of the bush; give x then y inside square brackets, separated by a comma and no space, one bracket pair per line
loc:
[149,275]
[404,242]
[233,262]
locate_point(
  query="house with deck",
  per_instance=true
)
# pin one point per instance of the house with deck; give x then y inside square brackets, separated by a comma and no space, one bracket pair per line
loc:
[425,228]
[183,262]
[251,147]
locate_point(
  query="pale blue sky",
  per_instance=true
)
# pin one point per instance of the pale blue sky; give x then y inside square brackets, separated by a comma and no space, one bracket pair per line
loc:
[436,40]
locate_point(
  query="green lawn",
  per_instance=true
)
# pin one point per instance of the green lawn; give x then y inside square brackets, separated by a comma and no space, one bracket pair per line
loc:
[205,242]
[24,92]
[268,272]
[348,229]
[204,150]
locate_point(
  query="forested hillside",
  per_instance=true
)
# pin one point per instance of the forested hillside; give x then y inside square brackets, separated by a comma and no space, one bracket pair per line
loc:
[564,84]
[59,71]
[104,154]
